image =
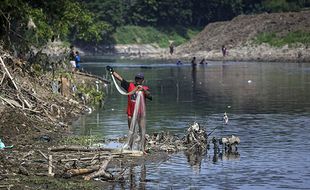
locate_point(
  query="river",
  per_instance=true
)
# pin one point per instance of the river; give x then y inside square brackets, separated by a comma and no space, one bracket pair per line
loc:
[268,105]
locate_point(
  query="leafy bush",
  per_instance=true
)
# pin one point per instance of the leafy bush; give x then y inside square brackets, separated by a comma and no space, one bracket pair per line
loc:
[149,35]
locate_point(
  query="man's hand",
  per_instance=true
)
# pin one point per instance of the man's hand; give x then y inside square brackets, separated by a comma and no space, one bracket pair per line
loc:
[110,69]
[140,88]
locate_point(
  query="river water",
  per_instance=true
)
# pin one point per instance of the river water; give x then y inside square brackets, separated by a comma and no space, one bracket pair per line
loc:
[268,105]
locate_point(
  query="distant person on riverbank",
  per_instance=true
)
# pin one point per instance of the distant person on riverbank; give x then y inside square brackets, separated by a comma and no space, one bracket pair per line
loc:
[193,62]
[133,88]
[72,58]
[224,50]
[171,48]
[203,61]
[77,61]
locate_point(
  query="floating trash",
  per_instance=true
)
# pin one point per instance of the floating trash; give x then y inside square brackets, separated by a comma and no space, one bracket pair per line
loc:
[225,118]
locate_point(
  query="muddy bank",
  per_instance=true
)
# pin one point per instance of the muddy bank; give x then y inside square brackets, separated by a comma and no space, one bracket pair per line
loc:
[248,52]
[38,101]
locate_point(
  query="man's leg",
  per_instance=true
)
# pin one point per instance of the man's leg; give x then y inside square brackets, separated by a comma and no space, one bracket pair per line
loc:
[142,129]
[130,133]
[129,122]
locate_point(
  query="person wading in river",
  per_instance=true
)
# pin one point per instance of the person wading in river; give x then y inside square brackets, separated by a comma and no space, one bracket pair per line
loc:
[133,88]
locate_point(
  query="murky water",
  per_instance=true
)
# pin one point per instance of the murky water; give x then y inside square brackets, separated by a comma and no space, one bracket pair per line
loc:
[268,105]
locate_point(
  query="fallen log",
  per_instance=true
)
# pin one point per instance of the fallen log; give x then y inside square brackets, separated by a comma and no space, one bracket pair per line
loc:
[101,171]
[74,172]
[79,148]
[11,102]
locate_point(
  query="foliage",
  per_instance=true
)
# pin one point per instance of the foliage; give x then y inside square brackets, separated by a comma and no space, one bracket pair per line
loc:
[284,5]
[90,91]
[63,19]
[96,20]
[279,41]
[151,35]
[38,182]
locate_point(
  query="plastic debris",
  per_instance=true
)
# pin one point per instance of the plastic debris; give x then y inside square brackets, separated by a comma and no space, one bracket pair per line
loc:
[2,146]
[225,118]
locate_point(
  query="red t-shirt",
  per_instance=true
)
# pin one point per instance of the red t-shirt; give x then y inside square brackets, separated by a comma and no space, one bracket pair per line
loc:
[131,102]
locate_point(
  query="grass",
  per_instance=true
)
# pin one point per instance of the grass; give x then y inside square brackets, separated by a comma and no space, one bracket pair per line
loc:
[149,35]
[279,41]
[55,183]
[81,140]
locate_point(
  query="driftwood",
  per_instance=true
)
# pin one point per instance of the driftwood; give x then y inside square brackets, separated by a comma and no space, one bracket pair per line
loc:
[101,171]
[12,103]
[43,154]
[81,171]
[79,148]
[84,159]
[50,165]
[8,73]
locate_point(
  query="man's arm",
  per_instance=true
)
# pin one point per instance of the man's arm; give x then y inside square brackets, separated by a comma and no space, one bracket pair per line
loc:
[147,93]
[124,83]
[117,76]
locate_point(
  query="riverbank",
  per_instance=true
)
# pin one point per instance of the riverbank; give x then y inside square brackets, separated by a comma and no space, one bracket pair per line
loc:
[36,109]
[272,37]
[250,52]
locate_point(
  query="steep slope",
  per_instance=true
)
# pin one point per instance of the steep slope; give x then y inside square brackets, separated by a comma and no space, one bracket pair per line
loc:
[242,29]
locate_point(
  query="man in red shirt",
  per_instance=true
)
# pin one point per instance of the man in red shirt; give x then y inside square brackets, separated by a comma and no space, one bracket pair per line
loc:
[133,88]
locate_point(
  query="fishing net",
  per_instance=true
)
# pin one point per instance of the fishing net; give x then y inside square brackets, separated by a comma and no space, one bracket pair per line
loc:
[137,129]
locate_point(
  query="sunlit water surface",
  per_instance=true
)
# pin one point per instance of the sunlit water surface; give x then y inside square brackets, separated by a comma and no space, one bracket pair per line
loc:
[267,104]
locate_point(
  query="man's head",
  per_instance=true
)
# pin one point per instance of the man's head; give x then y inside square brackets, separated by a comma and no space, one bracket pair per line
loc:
[139,78]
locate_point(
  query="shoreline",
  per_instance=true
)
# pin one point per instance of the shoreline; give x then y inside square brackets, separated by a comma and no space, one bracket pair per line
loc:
[255,53]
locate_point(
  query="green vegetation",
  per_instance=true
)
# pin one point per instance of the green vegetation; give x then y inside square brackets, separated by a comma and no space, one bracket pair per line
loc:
[91,94]
[27,23]
[54,183]
[283,5]
[151,35]
[81,140]
[34,22]
[279,41]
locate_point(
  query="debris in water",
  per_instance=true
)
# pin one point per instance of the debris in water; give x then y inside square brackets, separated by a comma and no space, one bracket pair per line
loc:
[225,118]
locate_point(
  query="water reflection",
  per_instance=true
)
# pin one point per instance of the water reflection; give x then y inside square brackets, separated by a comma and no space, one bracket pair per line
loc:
[137,182]
[194,160]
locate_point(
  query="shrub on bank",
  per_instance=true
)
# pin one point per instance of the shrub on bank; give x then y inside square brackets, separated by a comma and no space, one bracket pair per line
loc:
[149,35]
[276,40]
